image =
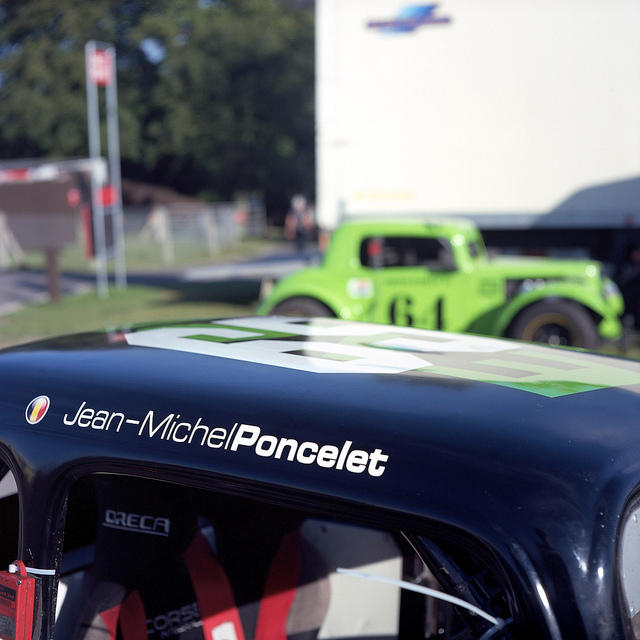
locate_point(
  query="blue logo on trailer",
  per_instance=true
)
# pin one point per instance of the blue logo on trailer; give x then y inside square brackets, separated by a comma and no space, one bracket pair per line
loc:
[409,19]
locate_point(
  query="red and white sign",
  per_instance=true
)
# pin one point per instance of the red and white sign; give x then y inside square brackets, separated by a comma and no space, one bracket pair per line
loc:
[73,197]
[15,175]
[107,196]
[101,67]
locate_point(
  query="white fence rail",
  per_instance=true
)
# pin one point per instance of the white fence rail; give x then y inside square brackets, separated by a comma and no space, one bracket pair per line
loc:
[214,226]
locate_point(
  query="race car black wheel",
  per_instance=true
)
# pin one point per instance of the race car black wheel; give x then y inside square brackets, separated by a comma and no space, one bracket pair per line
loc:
[302,306]
[559,323]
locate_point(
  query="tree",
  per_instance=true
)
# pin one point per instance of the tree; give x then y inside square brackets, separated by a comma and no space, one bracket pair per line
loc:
[42,77]
[215,97]
[234,97]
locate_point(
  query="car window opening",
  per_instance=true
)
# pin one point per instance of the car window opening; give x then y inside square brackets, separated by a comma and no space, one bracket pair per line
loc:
[150,560]
[497,623]
[407,251]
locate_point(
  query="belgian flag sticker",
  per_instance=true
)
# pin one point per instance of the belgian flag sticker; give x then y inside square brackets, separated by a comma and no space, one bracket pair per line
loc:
[37,409]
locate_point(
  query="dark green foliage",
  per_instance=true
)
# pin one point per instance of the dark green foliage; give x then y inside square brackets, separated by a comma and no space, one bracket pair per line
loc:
[215,97]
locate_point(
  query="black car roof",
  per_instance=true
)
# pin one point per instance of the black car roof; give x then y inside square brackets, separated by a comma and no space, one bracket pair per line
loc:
[472,432]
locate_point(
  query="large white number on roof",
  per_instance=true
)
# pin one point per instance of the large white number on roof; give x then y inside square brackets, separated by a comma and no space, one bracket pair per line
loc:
[326,345]
[360,348]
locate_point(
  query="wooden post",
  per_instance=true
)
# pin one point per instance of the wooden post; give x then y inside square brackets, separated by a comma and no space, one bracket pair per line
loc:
[53,273]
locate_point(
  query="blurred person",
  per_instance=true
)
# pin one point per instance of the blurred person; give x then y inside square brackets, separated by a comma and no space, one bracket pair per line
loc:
[299,223]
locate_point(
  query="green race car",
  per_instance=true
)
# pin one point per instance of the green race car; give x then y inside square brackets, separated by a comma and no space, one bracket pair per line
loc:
[438,275]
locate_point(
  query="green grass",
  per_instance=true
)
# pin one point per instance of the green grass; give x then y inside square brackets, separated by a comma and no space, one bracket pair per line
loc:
[87,312]
[146,256]
[137,304]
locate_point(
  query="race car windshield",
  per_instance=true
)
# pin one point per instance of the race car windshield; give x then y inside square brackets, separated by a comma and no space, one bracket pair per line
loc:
[498,623]
[222,548]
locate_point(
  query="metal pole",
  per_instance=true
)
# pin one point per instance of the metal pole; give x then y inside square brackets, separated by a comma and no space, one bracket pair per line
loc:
[93,117]
[113,137]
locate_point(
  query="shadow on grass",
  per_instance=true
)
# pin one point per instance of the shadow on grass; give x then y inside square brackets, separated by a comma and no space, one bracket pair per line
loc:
[229,291]
[239,292]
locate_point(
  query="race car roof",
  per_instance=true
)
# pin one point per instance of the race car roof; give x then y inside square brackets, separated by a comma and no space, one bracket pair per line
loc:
[463,430]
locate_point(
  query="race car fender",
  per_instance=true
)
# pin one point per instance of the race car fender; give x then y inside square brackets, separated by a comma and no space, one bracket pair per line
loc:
[314,284]
[557,291]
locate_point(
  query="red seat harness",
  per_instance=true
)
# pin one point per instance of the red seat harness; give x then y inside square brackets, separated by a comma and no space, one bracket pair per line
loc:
[218,609]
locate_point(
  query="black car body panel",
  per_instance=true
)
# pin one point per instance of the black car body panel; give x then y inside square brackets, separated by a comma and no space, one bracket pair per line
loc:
[530,453]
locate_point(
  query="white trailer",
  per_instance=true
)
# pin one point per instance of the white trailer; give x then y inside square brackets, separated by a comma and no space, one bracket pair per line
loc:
[521,113]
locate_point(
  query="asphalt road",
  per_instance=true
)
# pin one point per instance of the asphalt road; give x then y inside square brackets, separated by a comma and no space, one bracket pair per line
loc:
[22,287]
